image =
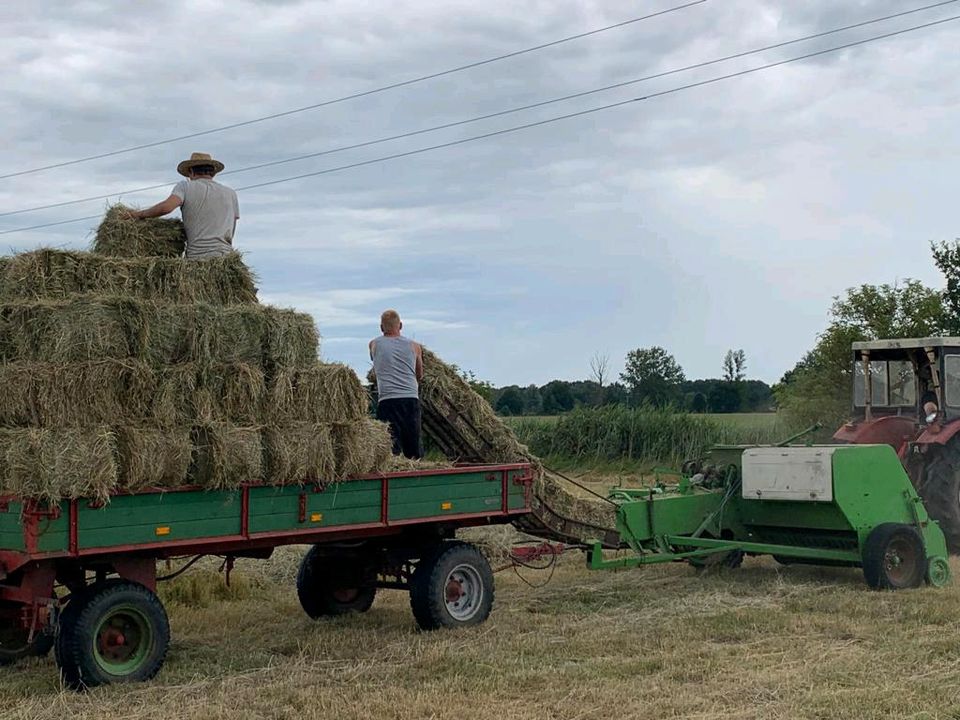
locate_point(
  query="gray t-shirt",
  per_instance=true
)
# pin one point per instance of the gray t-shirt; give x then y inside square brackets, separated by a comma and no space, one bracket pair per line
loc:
[395,364]
[210,211]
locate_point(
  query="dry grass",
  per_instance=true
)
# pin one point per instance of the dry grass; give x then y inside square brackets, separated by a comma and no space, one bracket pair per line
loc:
[153,457]
[120,235]
[763,642]
[58,274]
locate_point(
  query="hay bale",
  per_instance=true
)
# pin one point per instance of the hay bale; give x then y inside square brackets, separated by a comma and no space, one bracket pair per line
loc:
[122,236]
[225,334]
[291,339]
[298,454]
[153,457]
[49,274]
[361,447]
[52,465]
[323,392]
[72,331]
[74,394]
[194,393]
[226,456]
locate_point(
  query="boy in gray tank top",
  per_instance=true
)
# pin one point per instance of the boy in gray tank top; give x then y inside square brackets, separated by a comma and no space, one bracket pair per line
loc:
[398,365]
[210,210]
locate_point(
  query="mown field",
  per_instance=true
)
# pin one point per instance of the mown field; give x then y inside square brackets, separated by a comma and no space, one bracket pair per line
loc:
[763,641]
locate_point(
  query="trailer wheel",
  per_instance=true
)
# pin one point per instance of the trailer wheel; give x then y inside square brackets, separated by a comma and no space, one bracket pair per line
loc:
[453,587]
[894,557]
[113,632]
[15,644]
[330,586]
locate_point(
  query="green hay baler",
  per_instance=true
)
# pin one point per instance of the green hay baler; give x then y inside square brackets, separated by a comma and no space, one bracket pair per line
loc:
[848,505]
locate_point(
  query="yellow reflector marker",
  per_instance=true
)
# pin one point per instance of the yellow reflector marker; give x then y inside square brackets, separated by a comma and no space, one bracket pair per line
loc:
[316,517]
[446,506]
[162,530]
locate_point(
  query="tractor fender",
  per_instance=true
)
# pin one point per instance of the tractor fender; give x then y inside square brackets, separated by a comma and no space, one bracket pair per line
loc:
[938,434]
[893,430]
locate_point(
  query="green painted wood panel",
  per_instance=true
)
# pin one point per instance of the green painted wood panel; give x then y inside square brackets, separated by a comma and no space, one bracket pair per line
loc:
[53,532]
[278,509]
[133,519]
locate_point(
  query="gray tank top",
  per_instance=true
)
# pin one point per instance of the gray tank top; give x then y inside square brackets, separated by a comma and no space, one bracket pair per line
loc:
[395,364]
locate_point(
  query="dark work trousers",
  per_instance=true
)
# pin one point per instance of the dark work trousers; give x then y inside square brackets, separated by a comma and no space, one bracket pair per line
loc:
[403,415]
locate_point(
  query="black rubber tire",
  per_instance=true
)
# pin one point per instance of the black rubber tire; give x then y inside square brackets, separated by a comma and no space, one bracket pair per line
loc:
[940,492]
[329,586]
[891,541]
[38,647]
[431,581]
[84,616]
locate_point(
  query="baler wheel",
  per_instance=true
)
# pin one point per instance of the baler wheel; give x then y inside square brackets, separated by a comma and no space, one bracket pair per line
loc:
[894,557]
[15,644]
[327,586]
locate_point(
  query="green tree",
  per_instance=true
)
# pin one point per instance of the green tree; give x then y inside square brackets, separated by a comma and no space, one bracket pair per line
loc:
[510,401]
[819,387]
[653,376]
[734,365]
[699,403]
[557,397]
[724,398]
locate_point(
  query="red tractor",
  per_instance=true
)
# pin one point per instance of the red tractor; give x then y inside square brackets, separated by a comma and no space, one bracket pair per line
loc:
[906,393]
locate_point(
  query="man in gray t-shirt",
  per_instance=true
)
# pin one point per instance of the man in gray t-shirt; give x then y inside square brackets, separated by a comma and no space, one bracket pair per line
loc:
[210,210]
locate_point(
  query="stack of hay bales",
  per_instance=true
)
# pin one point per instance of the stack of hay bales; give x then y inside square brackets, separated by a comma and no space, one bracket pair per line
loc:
[124,370]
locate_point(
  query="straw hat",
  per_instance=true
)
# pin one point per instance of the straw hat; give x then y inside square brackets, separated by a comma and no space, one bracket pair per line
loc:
[198,159]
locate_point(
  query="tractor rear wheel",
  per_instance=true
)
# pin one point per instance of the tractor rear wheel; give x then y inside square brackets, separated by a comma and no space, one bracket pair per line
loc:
[940,491]
[894,557]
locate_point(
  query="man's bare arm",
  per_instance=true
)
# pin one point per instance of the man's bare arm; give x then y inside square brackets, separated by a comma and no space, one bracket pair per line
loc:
[370,346]
[161,208]
[418,352]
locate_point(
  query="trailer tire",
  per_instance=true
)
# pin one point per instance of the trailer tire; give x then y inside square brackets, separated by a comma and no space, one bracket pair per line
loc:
[14,645]
[113,632]
[328,586]
[452,587]
[894,557]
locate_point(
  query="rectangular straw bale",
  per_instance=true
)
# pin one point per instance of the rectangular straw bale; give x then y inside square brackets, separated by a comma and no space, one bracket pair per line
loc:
[191,392]
[57,464]
[226,455]
[323,392]
[298,453]
[360,447]
[120,235]
[152,457]
[59,274]
[74,394]
[291,339]
[73,331]
[234,333]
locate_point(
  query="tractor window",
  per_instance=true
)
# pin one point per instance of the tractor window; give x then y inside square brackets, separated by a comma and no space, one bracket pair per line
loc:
[951,367]
[878,372]
[903,384]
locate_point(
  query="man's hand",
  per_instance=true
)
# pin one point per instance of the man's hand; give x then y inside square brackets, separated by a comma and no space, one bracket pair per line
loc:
[132,214]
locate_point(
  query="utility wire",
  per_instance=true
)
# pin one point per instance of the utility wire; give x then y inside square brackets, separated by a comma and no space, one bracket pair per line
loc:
[558,118]
[499,113]
[354,96]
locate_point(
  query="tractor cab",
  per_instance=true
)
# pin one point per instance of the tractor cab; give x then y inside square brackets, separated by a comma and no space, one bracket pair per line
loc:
[903,389]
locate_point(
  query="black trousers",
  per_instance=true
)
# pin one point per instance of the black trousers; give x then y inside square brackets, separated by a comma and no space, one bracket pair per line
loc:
[403,415]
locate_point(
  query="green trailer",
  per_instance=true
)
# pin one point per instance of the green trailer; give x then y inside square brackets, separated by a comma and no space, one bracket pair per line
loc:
[80,576]
[849,505]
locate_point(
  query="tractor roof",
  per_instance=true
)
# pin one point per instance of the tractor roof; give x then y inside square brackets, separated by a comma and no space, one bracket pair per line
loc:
[908,343]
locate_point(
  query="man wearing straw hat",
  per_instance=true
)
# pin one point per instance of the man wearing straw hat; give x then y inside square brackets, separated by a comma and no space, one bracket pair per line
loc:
[210,210]
[398,365]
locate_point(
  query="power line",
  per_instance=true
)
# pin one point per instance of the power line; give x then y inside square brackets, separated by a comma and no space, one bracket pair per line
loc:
[500,113]
[354,96]
[558,118]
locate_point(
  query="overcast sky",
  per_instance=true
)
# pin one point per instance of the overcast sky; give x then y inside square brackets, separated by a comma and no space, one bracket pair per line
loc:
[725,216]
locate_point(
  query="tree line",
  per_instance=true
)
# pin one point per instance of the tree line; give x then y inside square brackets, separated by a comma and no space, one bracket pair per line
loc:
[651,377]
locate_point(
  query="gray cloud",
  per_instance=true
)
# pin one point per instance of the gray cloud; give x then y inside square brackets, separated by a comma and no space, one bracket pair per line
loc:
[727,216]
